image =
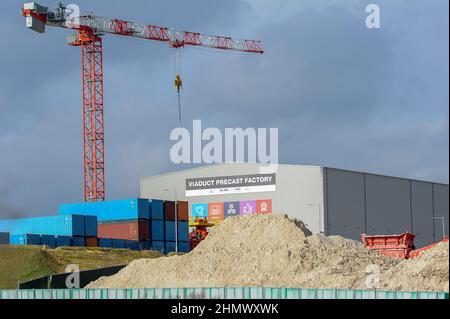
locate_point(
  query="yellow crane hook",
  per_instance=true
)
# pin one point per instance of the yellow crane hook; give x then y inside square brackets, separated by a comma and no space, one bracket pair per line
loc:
[178,83]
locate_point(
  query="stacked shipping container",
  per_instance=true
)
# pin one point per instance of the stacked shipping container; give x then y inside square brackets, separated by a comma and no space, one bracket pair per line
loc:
[49,240]
[69,225]
[121,223]
[52,231]
[176,226]
[137,223]
[156,211]
[4,238]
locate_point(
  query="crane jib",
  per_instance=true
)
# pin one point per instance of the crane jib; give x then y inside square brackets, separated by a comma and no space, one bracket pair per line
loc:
[39,16]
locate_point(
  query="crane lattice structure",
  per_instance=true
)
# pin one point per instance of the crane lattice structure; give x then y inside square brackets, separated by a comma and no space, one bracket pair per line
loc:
[90,30]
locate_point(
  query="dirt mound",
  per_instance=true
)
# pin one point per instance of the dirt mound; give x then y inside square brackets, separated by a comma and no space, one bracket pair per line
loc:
[427,272]
[270,251]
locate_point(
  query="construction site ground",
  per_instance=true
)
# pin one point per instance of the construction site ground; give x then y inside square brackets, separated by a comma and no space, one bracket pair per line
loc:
[22,263]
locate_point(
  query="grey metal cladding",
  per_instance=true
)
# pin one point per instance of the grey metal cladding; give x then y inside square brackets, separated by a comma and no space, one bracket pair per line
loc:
[388,206]
[345,203]
[440,209]
[422,213]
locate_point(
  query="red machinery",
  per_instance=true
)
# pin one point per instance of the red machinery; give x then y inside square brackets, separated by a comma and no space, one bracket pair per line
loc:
[199,233]
[90,30]
[399,246]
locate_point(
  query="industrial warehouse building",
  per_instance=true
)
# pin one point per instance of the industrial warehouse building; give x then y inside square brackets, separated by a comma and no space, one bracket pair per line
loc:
[330,201]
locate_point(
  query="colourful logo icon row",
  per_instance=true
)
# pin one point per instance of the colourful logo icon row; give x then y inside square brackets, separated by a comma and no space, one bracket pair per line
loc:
[220,211]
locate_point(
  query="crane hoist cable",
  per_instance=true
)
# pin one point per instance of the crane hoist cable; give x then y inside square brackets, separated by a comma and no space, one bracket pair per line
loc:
[179,85]
[178,82]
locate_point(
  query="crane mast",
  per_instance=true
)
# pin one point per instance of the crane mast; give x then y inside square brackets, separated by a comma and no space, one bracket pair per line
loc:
[89,32]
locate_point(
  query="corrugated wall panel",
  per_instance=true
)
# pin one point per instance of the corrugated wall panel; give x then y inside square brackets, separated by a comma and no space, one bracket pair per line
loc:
[345,203]
[422,213]
[440,209]
[388,205]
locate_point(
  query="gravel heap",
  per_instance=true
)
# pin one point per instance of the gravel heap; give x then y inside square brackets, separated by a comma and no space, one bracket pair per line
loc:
[275,251]
[427,272]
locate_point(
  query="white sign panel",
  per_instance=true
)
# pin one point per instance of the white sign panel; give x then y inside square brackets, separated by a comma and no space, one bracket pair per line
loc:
[227,185]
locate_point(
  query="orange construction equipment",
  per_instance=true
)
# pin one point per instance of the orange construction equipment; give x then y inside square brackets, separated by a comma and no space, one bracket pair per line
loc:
[399,246]
[200,231]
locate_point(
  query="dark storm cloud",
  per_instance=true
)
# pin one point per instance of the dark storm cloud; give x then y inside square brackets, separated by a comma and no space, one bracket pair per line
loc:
[30,60]
[340,95]
[319,64]
[40,98]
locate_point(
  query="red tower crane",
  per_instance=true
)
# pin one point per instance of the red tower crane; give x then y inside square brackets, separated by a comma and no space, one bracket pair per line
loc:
[89,32]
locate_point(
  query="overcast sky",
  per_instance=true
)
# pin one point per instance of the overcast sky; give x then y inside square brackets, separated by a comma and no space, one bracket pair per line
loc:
[341,95]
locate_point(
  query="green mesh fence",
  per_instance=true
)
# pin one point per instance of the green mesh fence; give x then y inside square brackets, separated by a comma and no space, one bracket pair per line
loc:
[217,293]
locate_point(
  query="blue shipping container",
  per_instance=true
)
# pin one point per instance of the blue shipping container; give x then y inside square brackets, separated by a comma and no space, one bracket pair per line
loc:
[90,226]
[158,246]
[144,245]
[183,231]
[170,247]
[183,247]
[105,242]
[48,240]
[156,209]
[69,225]
[169,230]
[116,210]
[27,239]
[4,238]
[78,241]
[63,241]
[119,243]
[131,244]
[157,230]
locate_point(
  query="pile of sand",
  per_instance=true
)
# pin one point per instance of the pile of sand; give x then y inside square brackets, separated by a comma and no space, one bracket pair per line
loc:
[427,272]
[270,251]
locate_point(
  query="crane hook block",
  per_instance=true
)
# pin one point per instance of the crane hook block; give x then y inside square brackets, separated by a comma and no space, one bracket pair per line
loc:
[178,82]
